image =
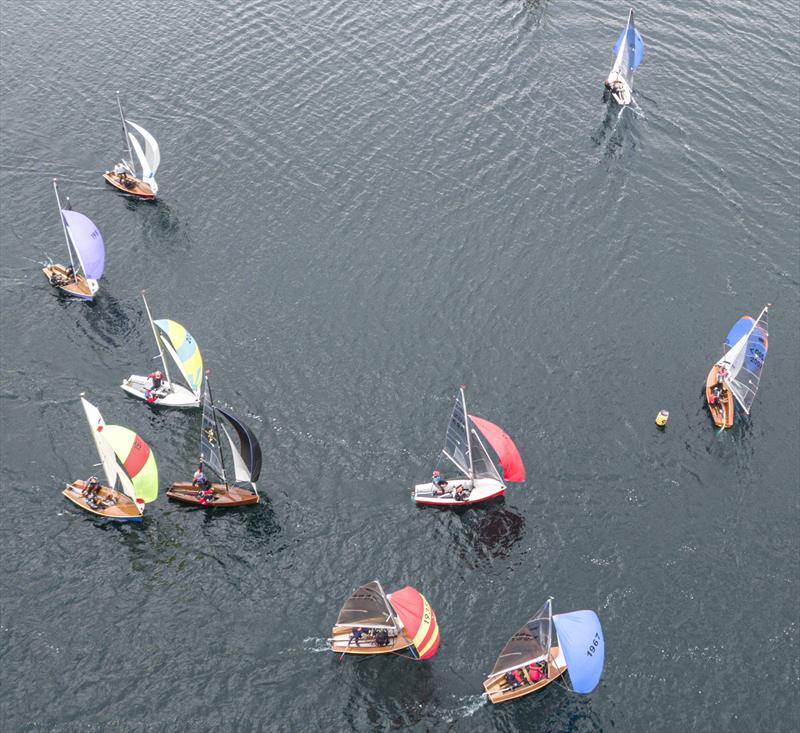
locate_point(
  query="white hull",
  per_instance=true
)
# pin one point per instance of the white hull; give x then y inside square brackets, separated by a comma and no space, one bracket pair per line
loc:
[621,93]
[169,395]
[482,489]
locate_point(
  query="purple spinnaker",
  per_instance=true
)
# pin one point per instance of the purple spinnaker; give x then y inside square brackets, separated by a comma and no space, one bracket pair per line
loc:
[88,243]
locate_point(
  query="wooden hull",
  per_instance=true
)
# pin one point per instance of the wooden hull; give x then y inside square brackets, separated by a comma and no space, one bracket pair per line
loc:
[342,634]
[482,489]
[498,689]
[722,416]
[223,499]
[135,186]
[176,396]
[118,507]
[80,288]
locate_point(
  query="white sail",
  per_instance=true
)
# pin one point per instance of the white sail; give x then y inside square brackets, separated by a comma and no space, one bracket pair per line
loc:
[744,362]
[151,149]
[239,467]
[149,158]
[143,162]
[104,450]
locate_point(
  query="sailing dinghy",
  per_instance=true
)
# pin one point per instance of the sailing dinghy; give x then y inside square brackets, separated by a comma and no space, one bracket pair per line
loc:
[374,622]
[125,176]
[476,477]
[183,350]
[737,374]
[628,54]
[246,461]
[128,463]
[543,649]
[83,239]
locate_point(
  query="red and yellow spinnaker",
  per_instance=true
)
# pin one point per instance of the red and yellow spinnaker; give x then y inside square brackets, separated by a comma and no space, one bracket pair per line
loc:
[418,619]
[136,458]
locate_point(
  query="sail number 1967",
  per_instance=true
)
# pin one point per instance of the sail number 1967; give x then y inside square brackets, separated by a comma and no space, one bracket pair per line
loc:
[594,646]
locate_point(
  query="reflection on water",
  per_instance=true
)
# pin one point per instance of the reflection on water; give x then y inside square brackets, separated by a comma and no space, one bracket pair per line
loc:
[494,529]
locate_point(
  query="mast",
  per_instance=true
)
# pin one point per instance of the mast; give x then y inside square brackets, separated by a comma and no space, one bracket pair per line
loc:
[467,430]
[63,223]
[157,338]
[125,132]
[216,428]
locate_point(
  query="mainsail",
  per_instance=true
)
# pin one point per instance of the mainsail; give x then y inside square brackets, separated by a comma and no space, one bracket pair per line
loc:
[247,455]
[456,439]
[367,606]
[87,243]
[104,450]
[629,52]
[182,347]
[530,644]
[744,361]
[137,468]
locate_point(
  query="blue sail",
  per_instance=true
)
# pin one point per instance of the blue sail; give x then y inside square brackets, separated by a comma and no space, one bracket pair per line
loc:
[580,637]
[634,47]
[740,328]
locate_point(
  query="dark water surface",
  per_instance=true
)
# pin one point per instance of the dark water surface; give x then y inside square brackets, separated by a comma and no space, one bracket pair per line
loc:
[363,205]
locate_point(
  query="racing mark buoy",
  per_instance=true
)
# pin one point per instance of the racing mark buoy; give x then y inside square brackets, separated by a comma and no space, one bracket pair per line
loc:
[661,418]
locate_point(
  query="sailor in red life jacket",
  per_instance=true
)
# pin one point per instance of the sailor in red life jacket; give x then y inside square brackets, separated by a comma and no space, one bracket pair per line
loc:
[535,672]
[156,379]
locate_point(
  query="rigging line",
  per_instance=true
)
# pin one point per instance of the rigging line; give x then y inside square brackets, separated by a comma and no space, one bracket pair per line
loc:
[404,656]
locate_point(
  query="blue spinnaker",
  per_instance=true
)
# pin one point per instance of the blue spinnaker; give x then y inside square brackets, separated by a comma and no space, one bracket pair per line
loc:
[740,328]
[88,243]
[635,48]
[580,637]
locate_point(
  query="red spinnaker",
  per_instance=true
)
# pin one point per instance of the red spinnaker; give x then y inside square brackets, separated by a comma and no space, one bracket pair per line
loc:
[510,459]
[418,619]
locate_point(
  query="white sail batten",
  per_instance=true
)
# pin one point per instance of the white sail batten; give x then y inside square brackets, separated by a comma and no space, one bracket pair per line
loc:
[104,450]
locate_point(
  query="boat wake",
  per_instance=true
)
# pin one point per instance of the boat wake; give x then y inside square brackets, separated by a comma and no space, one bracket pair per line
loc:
[470,704]
[315,644]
